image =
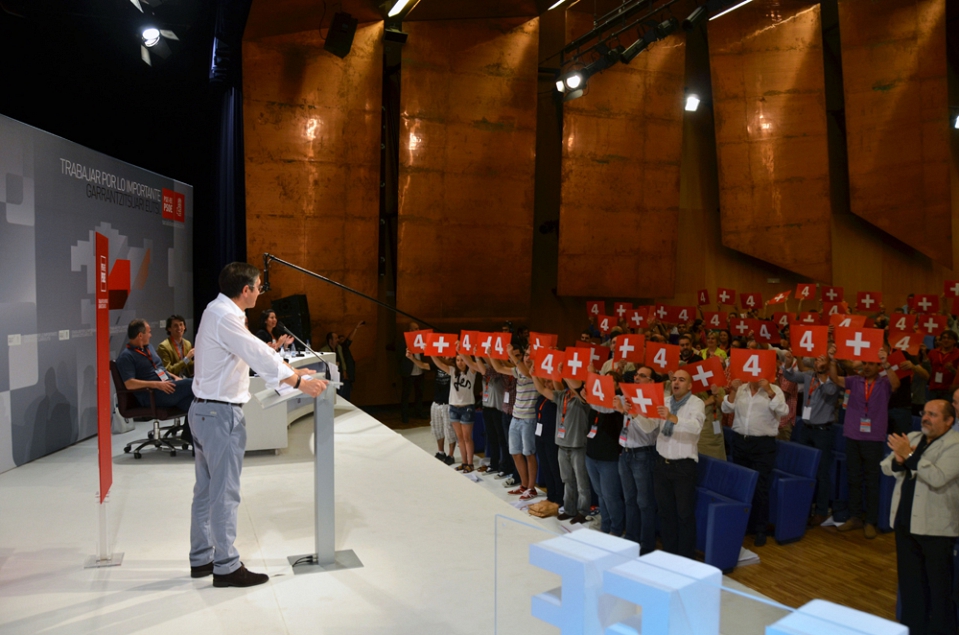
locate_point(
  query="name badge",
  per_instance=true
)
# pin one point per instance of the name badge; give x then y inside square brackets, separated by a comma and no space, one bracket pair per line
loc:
[938,378]
[622,438]
[717,427]
[163,375]
[505,397]
[561,431]
[539,429]
[806,413]
[592,432]
[865,425]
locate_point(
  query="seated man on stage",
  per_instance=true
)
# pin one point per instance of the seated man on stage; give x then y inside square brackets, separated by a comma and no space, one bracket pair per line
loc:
[140,367]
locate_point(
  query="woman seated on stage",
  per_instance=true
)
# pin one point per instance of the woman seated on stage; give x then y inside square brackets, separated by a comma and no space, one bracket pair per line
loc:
[267,331]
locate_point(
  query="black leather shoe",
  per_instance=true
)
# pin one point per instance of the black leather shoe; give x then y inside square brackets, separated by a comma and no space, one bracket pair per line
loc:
[201,571]
[242,577]
[759,540]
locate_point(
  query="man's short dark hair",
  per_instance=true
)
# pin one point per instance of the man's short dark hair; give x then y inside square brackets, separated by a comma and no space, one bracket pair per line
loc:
[948,410]
[685,336]
[173,318]
[235,277]
[329,336]
[136,327]
[950,334]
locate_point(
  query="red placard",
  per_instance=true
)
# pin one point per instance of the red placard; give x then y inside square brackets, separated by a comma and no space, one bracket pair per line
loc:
[548,363]
[908,341]
[702,297]
[782,320]
[716,320]
[808,317]
[541,340]
[577,361]
[766,332]
[832,294]
[440,345]
[726,296]
[168,204]
[809,341]
[179,207]
[926,303]
[951,288]
[895,360]
[749,364]
[600,390]
[739,327]
[638,317]
[484,343]
[500,342]
[707,373]
[779,298]
[595,308]
[660,312]
[933,324]
[104,404]
[605,323]
[847,320]
[621,309]
[805,291]
[469,341]
[598,354]
[629,347]
[751,300]
[662,357]
[684,314]
[833,308]
[902,322]
[955,307]
[416,340]
[860,344]
[868,301]
[644,399]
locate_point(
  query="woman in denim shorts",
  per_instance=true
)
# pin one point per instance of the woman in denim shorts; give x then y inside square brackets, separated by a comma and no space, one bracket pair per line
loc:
[462,373]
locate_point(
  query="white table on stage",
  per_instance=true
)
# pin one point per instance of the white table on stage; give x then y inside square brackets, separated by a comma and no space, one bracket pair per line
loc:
[266,428]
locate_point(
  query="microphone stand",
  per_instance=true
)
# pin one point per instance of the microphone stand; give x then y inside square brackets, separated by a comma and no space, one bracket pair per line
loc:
[308,349]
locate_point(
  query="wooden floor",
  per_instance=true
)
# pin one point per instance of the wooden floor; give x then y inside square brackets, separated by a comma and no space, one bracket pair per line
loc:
[845,568]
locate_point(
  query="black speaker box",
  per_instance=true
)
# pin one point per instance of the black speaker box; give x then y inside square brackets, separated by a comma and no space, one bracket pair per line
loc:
[339,38]
[294,313]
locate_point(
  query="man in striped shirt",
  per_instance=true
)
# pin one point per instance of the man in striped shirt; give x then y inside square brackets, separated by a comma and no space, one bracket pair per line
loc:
[522,427]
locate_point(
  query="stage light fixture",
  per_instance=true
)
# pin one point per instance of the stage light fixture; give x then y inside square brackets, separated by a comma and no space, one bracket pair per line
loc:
[694,18]
[556,4]
[573,81]
[692,102]
[730,9]
[151,36]
[560,86]
[957,123]
[398,7]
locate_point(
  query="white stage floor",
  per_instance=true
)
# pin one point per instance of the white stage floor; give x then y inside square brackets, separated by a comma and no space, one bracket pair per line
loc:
[424,533]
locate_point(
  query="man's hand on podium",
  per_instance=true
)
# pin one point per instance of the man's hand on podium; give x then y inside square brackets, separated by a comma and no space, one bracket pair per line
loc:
[313,387]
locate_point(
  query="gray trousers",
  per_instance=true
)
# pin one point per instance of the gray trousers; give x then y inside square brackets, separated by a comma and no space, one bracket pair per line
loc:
[572,469]
[219,438]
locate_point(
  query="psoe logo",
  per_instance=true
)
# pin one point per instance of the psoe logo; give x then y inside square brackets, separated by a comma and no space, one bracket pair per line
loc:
[174,206]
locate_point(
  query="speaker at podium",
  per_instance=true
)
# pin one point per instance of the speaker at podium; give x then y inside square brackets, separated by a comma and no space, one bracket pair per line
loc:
[294,312]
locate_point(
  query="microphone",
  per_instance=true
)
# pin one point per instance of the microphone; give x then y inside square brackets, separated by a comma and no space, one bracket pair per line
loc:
[282,329]
[266,272]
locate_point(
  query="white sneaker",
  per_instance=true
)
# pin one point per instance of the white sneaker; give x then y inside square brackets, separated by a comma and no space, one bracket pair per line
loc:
[510,482]
[501,475]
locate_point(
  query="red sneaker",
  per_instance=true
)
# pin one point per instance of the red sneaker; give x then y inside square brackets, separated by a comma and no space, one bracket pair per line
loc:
[516,492]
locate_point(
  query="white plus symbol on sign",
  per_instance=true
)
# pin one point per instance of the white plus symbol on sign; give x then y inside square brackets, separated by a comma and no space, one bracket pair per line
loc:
[868,301]
[661,312]
[742,327]
[955,288]
[703,375]
[808,319]
[574,363]
[637,318]
[832,294]
[858,343]
[724,296]
[620,311]
[925,304]
[593,356]
[441,344]
[626,348]
[930,324]
[642,401]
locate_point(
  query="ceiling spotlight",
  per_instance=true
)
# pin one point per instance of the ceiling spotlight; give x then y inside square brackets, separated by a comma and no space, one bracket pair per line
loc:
[697,16]
[151,35]
[730,9]
[633,50]
[556,4]
[957,123]
[573,81]
[398,7]
[692,102]
[560,86]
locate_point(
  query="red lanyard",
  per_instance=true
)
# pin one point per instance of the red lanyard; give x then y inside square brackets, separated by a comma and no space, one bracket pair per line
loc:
[149,357]
[867,388]
[565,403]
[179,349]
[814,387]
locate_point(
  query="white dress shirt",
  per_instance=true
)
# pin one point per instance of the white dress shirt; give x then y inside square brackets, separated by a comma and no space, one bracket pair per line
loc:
[757,415]
[684,442]
[225,351]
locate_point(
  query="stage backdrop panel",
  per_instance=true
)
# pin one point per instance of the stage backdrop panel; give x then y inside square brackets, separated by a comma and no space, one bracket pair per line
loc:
[622,146]
[897,120]
[54,196]
[467,159]
[312,141]
[769,102]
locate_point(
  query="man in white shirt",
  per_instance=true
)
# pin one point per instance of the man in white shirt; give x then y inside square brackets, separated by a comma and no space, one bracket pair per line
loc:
[757,406]
[674,477]
[225,352]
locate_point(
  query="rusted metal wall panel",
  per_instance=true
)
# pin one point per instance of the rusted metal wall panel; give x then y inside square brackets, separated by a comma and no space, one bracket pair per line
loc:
[312,140]
[467,159]
[769,102]
[897,119]
[622,145]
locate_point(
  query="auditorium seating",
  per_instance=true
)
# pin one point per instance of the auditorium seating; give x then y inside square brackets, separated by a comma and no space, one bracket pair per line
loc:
[725,494]
[791,489]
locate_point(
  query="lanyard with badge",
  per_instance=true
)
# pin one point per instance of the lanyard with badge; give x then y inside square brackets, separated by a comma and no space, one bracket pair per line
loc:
[865,423]
[593,429]
[561,426]
[162,374]
[814,385]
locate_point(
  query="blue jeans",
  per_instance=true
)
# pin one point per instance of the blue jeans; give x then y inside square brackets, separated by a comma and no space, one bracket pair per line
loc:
[636,475]
[604,475]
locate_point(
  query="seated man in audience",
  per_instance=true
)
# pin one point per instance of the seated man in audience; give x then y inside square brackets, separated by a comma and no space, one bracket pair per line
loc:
[175,351]
[140,367]
[925,516]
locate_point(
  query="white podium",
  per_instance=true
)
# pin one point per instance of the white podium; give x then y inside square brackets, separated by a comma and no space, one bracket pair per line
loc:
[324,556]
